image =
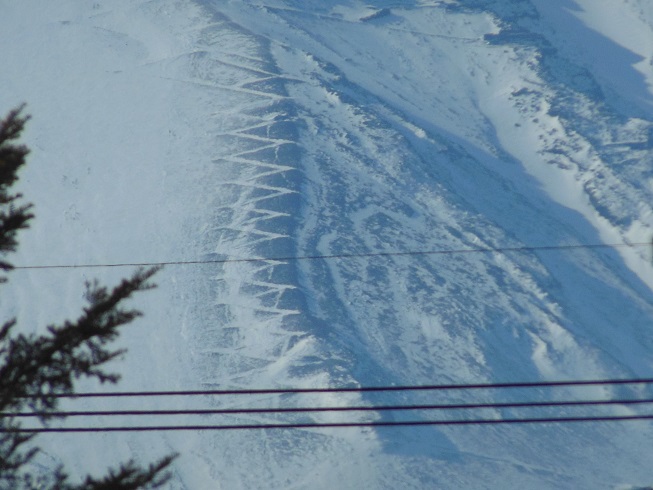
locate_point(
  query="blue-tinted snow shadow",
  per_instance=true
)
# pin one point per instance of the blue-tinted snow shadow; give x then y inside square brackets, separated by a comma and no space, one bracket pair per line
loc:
[566,61]
[509,197]
[512,200]
[609,322]
[498,189]
[611,59]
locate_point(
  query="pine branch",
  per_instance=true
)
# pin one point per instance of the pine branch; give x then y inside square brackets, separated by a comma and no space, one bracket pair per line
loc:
[11,458]
[12,217]
[12,156]
[131,477]
[128,477]
[35,368]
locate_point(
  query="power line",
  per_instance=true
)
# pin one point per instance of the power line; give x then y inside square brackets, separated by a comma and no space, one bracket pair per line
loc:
[342,256]
[318,425]
[366,408]
[362,389]
[244,411]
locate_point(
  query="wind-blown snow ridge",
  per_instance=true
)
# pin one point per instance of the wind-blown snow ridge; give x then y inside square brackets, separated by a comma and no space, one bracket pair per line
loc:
[253,191]
[369,146]
[254,129]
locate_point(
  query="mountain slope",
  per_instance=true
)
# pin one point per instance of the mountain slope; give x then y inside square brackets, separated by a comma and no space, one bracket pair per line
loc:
[361,133]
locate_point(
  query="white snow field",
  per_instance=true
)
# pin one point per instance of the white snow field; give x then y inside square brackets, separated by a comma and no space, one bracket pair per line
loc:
[243,133]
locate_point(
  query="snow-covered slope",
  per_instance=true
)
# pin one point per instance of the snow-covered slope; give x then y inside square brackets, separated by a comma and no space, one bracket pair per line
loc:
[209,130]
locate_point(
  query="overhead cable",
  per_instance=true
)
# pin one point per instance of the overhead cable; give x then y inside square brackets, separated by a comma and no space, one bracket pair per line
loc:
[361,389]
[291,258]
[319,425]
[366,408]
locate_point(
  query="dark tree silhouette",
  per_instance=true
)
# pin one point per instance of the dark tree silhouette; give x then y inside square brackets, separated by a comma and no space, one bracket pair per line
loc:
[35,369]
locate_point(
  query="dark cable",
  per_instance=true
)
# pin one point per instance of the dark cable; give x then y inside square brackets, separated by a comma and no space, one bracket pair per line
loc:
[316,425]
[364,389]
[341,256]
[380,408]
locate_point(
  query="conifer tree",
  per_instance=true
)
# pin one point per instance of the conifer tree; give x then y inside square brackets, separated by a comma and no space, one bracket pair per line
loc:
[36,369]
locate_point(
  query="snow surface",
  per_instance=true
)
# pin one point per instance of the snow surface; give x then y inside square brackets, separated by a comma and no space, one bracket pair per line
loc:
[180,130]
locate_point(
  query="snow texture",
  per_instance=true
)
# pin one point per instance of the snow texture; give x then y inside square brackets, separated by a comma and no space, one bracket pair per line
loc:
[180,130]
